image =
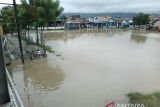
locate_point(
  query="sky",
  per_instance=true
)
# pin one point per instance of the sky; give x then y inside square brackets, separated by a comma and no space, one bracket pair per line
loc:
[106,6]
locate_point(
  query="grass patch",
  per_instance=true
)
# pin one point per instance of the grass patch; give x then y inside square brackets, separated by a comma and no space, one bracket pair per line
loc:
[47,48]
[149,100]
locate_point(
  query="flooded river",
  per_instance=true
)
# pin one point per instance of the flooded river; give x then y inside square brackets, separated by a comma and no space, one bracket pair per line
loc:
[90,68]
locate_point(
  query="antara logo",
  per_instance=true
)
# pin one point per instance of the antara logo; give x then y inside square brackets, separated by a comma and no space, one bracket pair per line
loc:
[112,104]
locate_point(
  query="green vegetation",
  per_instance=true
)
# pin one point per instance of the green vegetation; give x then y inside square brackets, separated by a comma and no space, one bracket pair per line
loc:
[47,48]
[8,24]
[41,12]
[8,18]
[35,14]
[141,19]
[149,100]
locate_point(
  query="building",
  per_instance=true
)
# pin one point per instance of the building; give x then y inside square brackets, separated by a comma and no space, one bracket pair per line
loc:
[130,21]
[157,25]
[120,22]
[125,23]
[1,30]
[90,23]
[76,22]
[111,23]
[58,23]
[98,22]
[153,19]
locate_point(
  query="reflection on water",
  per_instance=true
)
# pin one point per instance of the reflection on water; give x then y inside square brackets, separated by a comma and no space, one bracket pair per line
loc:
[99,65]
[138,38]
[42,75]
[36,79]
[72,34]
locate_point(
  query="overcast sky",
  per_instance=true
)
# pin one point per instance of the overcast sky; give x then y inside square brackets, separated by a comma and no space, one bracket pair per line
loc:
[102,6]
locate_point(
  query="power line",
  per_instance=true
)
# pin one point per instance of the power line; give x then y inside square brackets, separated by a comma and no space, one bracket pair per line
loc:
[6,3]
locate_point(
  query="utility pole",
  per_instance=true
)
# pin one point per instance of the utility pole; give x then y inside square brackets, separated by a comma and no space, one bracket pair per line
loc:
[4,95]
[18,31]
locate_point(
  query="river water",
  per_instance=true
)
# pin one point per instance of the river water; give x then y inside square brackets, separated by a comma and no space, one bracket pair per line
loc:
[90,68]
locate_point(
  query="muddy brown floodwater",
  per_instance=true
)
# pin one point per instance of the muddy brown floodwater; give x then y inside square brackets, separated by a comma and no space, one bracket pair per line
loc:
[90,68]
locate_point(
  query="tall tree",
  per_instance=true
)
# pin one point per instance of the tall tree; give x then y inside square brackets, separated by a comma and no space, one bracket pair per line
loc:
[8,21]
[42,12]
[141,19]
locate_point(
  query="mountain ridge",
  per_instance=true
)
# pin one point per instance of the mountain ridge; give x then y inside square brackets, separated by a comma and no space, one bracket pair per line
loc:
[116,14]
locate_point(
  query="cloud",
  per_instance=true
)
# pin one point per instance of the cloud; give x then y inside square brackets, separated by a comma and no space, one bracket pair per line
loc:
[100,6]
[8,1]
[111,6]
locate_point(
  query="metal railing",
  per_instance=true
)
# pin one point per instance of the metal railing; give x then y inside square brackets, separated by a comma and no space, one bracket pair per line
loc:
[4,42]
[15,98]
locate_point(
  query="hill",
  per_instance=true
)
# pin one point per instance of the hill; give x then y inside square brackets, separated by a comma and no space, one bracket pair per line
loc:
[118,14]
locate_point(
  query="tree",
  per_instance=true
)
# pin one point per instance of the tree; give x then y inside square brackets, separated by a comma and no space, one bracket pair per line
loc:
[8,21]
[42,12]
[141,19]
[8,16]
[22,18]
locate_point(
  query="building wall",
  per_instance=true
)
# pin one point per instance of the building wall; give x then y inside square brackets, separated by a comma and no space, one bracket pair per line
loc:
[1,30]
